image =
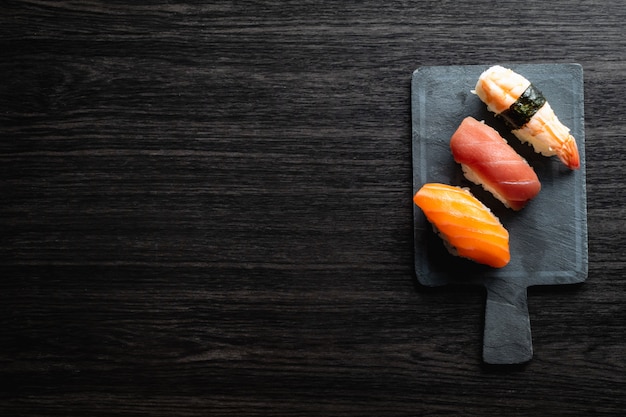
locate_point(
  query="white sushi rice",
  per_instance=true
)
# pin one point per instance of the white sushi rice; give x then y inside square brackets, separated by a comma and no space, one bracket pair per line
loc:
[474,177]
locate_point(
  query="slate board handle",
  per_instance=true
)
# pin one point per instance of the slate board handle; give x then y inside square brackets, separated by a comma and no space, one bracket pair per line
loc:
[507,337]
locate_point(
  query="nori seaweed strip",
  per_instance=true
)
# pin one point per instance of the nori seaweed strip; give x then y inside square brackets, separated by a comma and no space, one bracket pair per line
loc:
[524,108]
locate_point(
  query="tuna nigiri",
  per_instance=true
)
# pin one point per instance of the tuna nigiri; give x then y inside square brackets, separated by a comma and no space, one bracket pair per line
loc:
[489,161]
[528,113]
[466,225]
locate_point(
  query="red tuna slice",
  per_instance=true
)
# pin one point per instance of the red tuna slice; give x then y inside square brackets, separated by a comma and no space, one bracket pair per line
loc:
[489,161]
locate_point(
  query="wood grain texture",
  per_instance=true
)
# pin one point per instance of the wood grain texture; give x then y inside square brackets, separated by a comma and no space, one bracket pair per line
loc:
[206,211]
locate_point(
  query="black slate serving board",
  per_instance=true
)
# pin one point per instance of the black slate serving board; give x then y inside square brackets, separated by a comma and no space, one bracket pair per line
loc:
[548,238]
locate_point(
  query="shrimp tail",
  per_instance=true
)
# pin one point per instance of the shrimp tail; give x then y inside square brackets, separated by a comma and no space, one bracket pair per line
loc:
[568,153]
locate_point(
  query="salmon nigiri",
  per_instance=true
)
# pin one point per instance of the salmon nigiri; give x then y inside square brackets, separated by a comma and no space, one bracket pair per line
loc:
[527,112]
[466,225]
[489,161]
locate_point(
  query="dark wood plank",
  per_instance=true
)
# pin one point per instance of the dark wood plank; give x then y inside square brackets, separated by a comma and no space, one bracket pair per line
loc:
[206,211]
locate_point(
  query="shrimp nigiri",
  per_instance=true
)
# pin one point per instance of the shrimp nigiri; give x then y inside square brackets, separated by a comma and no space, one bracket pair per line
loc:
[489,161]
[469,229]
[527,112]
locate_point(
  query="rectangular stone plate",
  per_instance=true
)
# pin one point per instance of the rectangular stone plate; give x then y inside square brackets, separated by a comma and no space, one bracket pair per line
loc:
[548,238]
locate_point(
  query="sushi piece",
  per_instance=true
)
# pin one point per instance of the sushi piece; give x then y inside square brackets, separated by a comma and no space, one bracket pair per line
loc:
[528,114]
[467,226]
[489,161]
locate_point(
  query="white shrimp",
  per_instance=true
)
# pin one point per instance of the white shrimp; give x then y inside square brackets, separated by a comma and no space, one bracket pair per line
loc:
[501,88]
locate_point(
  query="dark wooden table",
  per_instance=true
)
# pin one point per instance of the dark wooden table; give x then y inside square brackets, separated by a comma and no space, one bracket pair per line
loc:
[206,210]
